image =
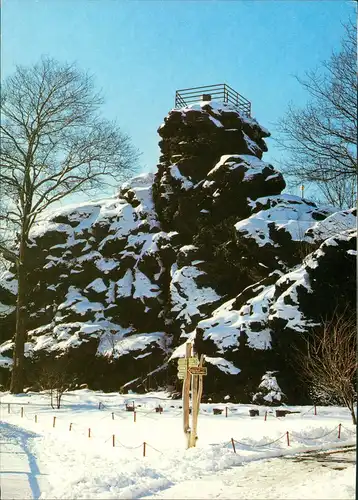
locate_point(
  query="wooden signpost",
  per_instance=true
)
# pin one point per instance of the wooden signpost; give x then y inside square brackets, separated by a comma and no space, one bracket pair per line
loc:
[191,371]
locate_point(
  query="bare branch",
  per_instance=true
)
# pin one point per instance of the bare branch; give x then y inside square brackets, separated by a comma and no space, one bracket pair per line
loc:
[329,362]
[321,137]
[53,144]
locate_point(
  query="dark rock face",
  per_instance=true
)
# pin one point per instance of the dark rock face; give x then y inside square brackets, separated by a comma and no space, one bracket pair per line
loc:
[207,249]
[194,140]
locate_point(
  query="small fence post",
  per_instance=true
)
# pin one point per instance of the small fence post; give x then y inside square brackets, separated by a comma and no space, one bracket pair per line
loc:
[22,411]
[134,416]
[226,411]
[113,440]
[70,429]
[233,444]
[35,419]
[339,431]
[265,416]
[315,410]
[54,422]
[288,438]
[144,447]
[89,433]
[112,416]
[8,407]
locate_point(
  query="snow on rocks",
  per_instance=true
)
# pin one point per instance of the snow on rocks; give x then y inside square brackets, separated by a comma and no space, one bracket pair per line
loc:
[335,223]
[117,344]
[207,249]
[89,260]
[223,365]
[283,212]
[234,179]
[8,283]
[193,139]
[188,299]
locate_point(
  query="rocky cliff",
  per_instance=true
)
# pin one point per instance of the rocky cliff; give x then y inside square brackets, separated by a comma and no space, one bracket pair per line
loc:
[207,248]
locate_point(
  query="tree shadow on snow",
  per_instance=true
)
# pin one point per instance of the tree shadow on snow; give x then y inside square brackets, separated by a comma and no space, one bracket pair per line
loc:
[15,435]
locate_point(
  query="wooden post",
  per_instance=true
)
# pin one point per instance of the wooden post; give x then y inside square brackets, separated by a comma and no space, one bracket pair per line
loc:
[193,376]
[233,444]
[339,431]
[315,410]
[89,433]
[288,438]
[54,422]
[112,416]
[265,416]
[186,391]
[113,441]
[70,429]
[22,411]
[197,391]
[134,416]
[226,411]
[144,447]
[200,389]
[194,420]
[8,407]
[35,419]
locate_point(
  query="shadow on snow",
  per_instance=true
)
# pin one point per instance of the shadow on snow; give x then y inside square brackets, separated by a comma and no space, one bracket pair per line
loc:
[13,434]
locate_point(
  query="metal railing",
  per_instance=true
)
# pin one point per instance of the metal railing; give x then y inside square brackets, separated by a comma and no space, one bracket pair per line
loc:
[219,92]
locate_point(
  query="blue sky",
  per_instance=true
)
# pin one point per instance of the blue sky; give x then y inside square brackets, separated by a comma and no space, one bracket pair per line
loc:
[142,51]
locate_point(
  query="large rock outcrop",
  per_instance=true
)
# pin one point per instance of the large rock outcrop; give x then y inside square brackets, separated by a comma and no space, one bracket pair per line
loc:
[207,248]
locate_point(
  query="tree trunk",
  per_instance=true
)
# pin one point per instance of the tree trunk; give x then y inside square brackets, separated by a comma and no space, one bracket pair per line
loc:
[17,376]
[354,418]
[351,408]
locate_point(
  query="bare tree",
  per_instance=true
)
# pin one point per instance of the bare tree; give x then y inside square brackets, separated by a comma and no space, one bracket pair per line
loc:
[329,363]
[53,143]
[53,378]
[321,137]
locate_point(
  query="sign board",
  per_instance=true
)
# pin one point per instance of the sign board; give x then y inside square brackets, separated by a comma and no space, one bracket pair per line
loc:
[191,361]
[182,369]
[183,363]
[198,370]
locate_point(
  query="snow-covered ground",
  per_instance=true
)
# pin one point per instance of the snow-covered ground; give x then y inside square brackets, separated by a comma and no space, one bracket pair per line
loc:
[45,459]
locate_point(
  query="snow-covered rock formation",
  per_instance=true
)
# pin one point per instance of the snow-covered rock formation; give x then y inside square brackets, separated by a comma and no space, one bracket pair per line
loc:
[208,248]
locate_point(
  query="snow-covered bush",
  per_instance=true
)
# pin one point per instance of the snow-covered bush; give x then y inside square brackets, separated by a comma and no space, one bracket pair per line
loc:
[269,392]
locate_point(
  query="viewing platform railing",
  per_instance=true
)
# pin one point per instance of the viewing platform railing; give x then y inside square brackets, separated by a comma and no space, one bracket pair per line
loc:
[219,92]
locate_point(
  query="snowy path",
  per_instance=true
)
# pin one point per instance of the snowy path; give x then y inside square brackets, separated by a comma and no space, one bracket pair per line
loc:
[20,476]
[308,476]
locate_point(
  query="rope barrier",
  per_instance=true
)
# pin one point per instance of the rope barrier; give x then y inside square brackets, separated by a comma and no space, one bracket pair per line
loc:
[127,447]
[114,412]
[260,445]
[348,430]
[306,412]
[100,420]
[313,438]
[150,446]
[146,414]
[232,442]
